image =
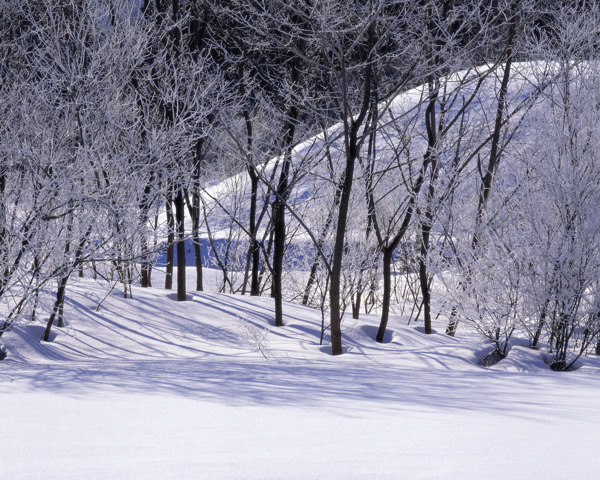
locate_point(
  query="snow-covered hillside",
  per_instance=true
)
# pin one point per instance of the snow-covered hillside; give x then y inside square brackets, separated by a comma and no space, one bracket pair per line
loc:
[154,388]
[149,387]
[388,212]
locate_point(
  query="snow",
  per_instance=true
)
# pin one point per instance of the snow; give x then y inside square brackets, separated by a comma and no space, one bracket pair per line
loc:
[153,388]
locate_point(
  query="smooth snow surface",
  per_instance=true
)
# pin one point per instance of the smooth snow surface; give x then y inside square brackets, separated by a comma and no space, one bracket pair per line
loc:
[208,389]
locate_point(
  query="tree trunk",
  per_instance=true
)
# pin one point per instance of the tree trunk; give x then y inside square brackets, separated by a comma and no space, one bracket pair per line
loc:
[195,215]
[58,308]
[254,247]
[452,323]
[145,280]
[170,243]
[61,304]
[387,293]
[3,229]
[253,256]
[317,260]
[338,249]
[194,211]
[278,250]
[279,233]
[425,291]
[423,276]
[279,230]
[356,303]
[351,127]
[494,159]
[180,217]
[541,323]
[198,261]
[78,255]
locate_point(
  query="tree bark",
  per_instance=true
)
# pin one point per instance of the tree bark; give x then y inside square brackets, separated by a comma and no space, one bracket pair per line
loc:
[58,308]
[431,161]
[196,241]
[321,242]
[387,293]
[194,211]
[279,226]
[254,247]
[351,127]
[494,160]
[279,229]
[3,229]
[340,236]
[170,244]
[424,281]
[356,303]
[253,262]
[180,217]
[195,215]
[145,279]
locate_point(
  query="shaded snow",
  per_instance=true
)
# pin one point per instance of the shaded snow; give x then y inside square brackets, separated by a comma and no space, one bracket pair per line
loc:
[153,388]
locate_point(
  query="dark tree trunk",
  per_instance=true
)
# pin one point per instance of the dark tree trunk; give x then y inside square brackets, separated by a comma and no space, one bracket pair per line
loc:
[78,255]
[146,266]
[145,280]
[253,262]
[370,200]
[541,323]
[311,279]
[61,305]
[180,217]
[279,230]
[197,245]
[493,162]
[170,244]
[389,251]
[278,250]
[3,229]
[357,301]
[268,240]
[321,242]
[316,262]
[194,210]
[351,127]
[279,233]
[254,246]
[494,159]
[340,237]
[36,293]
[57,311]
[452,323]
[195,214]
[425,290]
[387,293]
[253,257]
[431,161]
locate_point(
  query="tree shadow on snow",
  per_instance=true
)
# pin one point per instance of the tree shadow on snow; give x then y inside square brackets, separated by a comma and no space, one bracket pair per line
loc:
[349,385]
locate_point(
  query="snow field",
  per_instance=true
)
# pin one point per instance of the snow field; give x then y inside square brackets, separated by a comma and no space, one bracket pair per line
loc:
[152,388]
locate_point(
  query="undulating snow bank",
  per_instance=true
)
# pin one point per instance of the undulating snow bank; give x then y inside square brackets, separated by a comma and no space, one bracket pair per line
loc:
[152,388]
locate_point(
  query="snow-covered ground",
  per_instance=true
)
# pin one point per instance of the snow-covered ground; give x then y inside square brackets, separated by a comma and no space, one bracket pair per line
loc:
[154,388]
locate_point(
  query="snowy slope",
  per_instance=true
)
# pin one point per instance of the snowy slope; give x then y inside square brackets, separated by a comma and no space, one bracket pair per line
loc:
[152,388]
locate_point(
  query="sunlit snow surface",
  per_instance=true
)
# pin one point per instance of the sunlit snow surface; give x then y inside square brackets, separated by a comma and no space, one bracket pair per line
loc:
[154,388]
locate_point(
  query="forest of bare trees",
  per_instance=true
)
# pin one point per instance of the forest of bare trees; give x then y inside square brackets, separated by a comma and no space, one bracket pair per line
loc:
[423,158]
